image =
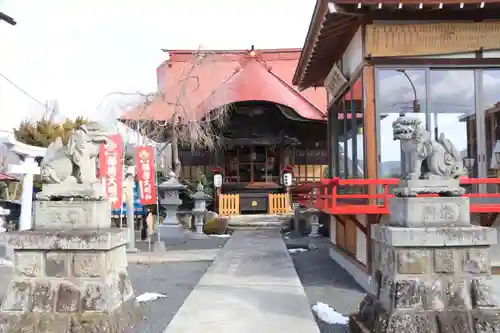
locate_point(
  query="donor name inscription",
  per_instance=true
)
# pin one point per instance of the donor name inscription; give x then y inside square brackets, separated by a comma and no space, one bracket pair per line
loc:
[441,212]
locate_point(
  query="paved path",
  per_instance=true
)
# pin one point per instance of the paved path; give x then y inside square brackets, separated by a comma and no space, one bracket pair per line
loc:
[252,286]
[172,256]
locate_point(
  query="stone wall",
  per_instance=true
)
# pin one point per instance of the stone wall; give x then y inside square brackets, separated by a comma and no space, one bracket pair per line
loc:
[441,286]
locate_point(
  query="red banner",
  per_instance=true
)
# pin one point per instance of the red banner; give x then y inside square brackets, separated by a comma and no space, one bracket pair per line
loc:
[146,174]
[111,169]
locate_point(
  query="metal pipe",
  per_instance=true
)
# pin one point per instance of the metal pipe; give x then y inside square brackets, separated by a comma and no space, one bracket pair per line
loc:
[7,18]
[129,181]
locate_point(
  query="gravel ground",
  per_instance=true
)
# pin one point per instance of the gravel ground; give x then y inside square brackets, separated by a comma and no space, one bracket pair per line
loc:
[174,280]
[324,280]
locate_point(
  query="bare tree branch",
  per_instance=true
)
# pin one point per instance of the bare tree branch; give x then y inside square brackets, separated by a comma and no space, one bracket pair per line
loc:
[184,123]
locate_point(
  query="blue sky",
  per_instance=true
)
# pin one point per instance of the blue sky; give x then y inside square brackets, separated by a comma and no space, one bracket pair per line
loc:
[77,52]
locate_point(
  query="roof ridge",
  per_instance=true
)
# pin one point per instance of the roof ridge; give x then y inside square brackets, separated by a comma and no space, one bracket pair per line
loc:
[262,63]
[323,114]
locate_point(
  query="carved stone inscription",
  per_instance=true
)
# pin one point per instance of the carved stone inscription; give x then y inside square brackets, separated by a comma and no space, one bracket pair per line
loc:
[73,214]
[70,215]
[444,212]
[427,211]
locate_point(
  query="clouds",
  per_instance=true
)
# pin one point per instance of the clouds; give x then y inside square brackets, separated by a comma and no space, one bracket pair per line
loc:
[450,94]
[79,51]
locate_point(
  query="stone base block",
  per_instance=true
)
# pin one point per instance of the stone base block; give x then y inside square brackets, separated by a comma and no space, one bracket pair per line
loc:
[72,191]
[121,319]
[429,211]
[56,239]
[72,214]
[374,319]
[172,234]
[445,236]
[79,290]
[412,187]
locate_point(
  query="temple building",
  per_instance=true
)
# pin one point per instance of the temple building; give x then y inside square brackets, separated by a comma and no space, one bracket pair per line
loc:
[438,60]
[270,125]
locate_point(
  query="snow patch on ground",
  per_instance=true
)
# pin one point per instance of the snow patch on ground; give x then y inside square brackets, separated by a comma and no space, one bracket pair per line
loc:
[6,262]
[329,315]
[221,236]
[297,250]
[149,297]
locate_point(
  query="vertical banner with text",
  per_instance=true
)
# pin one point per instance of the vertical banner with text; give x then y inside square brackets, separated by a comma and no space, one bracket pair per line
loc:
[111,169]
[146,174]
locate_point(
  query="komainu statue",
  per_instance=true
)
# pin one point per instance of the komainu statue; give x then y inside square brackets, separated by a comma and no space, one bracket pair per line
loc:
[430,159]
[70,170]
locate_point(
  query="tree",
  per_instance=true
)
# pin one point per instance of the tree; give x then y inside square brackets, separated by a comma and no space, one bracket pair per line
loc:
[183,125]
[44,132]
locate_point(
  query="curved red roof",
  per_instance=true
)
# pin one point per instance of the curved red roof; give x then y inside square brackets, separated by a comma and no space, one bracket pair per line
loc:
[6,178]
[231,76]
[254,82]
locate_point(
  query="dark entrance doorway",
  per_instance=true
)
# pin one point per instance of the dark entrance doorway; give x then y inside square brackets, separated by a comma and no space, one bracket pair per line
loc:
[252,164]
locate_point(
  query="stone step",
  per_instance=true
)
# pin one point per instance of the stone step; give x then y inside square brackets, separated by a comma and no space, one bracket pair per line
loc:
[262,221]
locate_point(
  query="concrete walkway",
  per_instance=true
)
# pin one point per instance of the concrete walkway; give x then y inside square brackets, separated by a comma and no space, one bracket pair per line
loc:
[172,256]
[251,287]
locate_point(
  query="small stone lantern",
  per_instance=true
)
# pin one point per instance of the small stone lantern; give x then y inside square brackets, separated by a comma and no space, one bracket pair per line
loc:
[314,223]
[171,231]
[3,223]
[200,202]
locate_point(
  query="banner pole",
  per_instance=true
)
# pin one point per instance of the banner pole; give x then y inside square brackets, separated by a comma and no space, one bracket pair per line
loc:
[123,174]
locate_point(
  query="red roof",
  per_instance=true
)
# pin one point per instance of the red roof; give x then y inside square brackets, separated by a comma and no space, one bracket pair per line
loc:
[6,178]
[231,76]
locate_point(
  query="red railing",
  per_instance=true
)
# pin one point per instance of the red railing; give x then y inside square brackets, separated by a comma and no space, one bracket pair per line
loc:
[326,197]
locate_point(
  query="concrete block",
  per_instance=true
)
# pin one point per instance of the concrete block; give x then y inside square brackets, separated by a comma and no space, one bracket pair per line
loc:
[172,234]
[435,237]
[72,214]
[78,239]
[429,211]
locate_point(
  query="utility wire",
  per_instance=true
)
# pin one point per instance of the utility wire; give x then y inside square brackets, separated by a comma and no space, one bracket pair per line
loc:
[26,93]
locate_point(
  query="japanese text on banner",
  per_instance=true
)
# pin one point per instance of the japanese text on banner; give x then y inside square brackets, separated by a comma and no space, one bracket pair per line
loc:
[146,174]
[111,169]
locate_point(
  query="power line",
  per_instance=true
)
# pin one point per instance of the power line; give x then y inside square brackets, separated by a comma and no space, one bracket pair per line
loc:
[26,93]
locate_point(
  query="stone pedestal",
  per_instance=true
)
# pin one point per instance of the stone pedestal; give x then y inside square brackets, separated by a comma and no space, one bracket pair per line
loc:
[5,252]
[70,273]
[314,223]
[171,231]
[200,202]
[429,277]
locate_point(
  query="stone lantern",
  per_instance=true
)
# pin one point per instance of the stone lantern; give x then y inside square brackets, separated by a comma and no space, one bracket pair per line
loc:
[200,202]
[171,231]
[3,221]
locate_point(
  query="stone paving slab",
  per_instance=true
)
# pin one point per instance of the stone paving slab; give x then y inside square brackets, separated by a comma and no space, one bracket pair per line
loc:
[252,286]
[172,256]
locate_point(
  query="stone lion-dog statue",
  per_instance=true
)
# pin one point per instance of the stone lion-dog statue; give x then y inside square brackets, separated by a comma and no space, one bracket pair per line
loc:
[70,170]
[430,159]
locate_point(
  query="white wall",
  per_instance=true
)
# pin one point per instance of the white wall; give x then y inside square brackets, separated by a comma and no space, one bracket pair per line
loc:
[333,230]
[353,55]
[491,54]
[361,241]
[468,55]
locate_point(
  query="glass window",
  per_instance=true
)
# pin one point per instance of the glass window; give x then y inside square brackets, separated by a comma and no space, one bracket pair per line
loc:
[398,91]
[490,95]
[451,102]
[349,132]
